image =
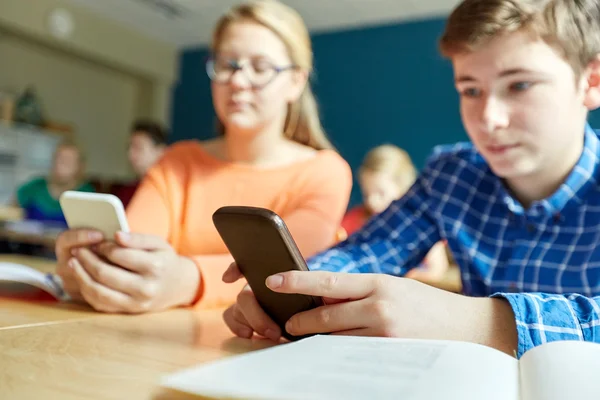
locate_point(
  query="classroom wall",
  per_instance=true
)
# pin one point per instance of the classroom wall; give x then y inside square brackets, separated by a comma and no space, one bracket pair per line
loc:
[98,79]
[383,84]
[93,36]
[386,84]
[595,119]
[98,102]
[192,112]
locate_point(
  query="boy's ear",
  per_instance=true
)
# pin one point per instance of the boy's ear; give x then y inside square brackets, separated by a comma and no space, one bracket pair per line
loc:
[592,93]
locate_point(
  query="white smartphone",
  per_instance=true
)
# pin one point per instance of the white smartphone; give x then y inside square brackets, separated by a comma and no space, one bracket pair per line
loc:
[100,211]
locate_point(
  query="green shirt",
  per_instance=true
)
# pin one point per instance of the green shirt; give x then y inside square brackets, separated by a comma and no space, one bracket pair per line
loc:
[35,198]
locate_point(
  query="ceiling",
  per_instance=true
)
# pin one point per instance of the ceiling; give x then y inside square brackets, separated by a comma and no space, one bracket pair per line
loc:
[187,23]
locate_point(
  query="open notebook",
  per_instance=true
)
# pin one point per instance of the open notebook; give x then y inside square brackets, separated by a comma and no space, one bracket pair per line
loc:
[342,367]
[17,280]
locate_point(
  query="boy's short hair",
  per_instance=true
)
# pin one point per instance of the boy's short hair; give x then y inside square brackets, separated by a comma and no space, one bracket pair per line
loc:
[572,27]
[155,131]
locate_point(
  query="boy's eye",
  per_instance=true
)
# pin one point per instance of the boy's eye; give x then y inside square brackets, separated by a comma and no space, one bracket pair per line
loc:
[520,86]
[471,92]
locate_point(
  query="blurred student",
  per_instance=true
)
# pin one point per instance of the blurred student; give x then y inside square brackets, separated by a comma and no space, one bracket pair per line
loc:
[271,152]
[39,197]
[386,174]
[147,144]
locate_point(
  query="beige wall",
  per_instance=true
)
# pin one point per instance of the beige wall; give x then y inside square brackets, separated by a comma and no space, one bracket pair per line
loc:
[98,79]
[94,37]
[99,102]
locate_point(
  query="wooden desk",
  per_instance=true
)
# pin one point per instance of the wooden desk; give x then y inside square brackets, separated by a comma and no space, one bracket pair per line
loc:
[17,313]
[62,351]
[20,313]
[114,357]
[67,351]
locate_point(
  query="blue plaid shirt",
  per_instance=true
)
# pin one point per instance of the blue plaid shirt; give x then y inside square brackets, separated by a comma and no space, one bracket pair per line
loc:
[544,260]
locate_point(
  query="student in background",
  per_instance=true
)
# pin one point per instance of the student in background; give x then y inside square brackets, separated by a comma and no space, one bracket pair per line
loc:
[519,206]
[147,144]
[386,174]
[271,152]
[39,197]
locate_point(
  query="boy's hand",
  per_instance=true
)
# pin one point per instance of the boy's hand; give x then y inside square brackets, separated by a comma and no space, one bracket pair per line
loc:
[246,316]
[378,305]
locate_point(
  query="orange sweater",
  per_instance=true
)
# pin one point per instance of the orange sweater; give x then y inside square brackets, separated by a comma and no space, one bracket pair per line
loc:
[178,196]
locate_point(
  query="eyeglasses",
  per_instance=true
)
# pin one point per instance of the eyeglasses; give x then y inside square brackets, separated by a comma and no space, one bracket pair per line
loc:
[258,72]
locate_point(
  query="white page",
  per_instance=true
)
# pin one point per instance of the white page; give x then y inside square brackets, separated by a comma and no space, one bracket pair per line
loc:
[12,272]
[561,370]
[342,367]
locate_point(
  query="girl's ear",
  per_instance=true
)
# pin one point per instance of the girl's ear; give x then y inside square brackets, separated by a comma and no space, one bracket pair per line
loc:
[299,81]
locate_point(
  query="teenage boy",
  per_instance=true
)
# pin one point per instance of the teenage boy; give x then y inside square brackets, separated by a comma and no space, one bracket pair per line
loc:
[519,207]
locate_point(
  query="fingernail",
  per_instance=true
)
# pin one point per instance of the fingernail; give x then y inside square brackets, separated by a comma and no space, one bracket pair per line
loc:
[124,236]
[289,328]
[74,252]
[71,263]
[272,334]
[94,235]
[274,281]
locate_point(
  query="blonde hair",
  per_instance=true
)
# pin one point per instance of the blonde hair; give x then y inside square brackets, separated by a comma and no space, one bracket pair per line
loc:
[572,27]
[302,123]
[392,160]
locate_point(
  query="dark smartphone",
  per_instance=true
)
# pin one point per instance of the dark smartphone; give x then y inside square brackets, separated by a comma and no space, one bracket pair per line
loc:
[261,245]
